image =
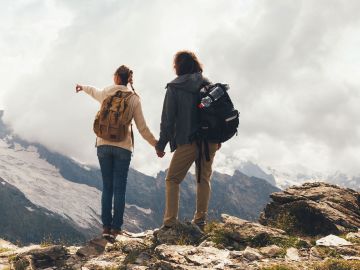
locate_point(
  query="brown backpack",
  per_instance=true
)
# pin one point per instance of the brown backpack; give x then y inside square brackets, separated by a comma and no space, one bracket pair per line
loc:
[114,118]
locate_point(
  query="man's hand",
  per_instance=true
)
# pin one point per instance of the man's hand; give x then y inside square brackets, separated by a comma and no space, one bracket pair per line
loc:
[78,88]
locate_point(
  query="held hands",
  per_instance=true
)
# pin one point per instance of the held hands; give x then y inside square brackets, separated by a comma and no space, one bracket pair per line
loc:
[78,88]
[159,153]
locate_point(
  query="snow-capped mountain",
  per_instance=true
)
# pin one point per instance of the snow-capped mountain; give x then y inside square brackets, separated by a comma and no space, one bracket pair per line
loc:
[293,174]
[44,186]
[251,169]
[24,222]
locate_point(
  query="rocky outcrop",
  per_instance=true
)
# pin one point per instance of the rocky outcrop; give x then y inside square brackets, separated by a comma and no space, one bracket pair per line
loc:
[231,243]
[41,258]
[146,251]
[314,209]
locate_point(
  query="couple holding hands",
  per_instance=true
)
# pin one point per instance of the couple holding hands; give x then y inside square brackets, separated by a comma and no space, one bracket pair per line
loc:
[179,121]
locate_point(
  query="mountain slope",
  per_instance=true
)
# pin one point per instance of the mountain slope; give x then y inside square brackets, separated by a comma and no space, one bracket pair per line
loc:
[23,221]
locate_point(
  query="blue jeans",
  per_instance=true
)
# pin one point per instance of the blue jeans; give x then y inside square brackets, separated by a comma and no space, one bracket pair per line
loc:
[114,163]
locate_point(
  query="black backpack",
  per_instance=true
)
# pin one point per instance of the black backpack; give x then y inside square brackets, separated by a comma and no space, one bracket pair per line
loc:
[217,123]
[220,121]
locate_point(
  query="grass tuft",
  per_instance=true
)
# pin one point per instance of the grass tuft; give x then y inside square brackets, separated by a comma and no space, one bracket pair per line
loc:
[328,252]
[335,264]
[277,267]
[286,222]
[2,250]
[224,237]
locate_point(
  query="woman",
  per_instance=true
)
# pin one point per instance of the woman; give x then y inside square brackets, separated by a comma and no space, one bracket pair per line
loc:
[114,157]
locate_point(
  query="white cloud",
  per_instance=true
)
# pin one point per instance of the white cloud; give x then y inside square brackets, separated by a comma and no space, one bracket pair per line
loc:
[290,64]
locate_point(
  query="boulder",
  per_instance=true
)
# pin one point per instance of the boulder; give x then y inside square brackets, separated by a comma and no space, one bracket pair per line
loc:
[94,247]
[353,236]
[292,254]
[332,241]
[314,209]
[271,251]
[248,229]
[41,258]
[179,234]
[252,254]
[236,233]
[128,244]
[206,257]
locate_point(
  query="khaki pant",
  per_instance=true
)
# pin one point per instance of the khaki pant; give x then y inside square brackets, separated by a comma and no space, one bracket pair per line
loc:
[184,156]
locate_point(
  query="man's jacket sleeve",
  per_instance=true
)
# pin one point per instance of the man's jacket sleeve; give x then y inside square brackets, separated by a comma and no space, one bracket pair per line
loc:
[167,126]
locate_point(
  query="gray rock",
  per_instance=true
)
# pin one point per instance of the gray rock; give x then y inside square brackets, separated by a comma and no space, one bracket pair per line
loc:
[250,229]
[181,233]
[207,243]
[237,254]
[236,233]
[351,258]
[314,209]
[94,247]
[143,258]
[47,257]
[271,251]
[136,267]
[348,250]
[129,244]
[333,241]
[252,254]
[353,236]
[315,255]
[207,257]
[292,254]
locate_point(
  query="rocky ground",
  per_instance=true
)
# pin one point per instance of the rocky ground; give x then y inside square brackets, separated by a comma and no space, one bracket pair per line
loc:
[230,243]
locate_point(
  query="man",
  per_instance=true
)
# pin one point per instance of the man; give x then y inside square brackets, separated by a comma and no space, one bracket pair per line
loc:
[179,123]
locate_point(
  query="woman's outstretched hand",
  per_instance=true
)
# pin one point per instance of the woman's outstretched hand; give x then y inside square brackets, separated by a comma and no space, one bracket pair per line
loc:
[78,88]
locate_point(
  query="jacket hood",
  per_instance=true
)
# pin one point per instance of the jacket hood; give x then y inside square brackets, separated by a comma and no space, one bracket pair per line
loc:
[187,82]
[115,87]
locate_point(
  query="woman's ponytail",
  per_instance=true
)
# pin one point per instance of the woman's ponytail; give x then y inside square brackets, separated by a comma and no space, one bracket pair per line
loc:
[126,76]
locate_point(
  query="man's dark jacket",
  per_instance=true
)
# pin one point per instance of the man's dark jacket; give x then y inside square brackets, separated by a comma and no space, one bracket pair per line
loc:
[179,120]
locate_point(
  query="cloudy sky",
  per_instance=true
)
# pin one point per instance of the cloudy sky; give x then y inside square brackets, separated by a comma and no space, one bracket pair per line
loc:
[292,67]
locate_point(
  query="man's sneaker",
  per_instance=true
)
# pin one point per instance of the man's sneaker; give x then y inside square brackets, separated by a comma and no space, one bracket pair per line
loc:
[200,225]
